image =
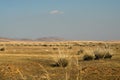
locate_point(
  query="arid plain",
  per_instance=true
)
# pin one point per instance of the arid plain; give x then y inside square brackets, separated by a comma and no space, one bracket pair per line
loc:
[62,60]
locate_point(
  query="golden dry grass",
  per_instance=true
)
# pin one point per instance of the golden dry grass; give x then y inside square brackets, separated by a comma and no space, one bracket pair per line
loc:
[32,61]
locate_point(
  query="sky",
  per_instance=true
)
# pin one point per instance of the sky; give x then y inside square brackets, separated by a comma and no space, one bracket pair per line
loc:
[69,19]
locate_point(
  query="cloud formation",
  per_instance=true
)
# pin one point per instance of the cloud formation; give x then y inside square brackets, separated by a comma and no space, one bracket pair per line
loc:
[56,12]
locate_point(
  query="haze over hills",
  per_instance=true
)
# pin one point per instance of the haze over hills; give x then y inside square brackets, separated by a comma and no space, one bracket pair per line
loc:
[38,39]
[50,39]
[6,39]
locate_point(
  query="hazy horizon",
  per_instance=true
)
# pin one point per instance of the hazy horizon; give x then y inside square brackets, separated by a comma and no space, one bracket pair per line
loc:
[69,19]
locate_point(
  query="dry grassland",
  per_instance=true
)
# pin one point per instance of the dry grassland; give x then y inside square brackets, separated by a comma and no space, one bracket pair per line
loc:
[66,60]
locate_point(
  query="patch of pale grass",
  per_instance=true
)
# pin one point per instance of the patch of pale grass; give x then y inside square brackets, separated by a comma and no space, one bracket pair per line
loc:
[103,53]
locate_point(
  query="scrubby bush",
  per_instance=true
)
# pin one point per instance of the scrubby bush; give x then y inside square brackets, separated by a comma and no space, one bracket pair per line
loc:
[70,47]
[103,54]
[61,62]
[45,45]
[88,57]
[108,55]
[80,51]
[2,49]
[98,55]
[55,48]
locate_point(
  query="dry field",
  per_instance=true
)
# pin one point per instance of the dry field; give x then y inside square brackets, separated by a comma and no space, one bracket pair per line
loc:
[68,60]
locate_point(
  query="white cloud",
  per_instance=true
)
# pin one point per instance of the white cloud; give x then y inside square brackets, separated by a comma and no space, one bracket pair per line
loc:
[56,12]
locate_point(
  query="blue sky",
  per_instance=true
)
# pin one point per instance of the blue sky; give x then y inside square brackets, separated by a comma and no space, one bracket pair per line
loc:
[69,19]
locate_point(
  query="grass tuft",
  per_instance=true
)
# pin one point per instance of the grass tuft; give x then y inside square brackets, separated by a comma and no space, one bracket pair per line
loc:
[62,62]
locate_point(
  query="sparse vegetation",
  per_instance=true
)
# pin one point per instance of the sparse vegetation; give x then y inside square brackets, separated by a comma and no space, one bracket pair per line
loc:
[54,61]
[2,49]
[108,55]
[80,51]
[62,62]
[55,48]
[102,54]
[70,47]
[98,55]
[88,57]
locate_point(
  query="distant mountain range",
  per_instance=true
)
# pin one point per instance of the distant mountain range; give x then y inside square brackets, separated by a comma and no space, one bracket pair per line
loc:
[6,39]
[47,39]
[50,39]
[39,39]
